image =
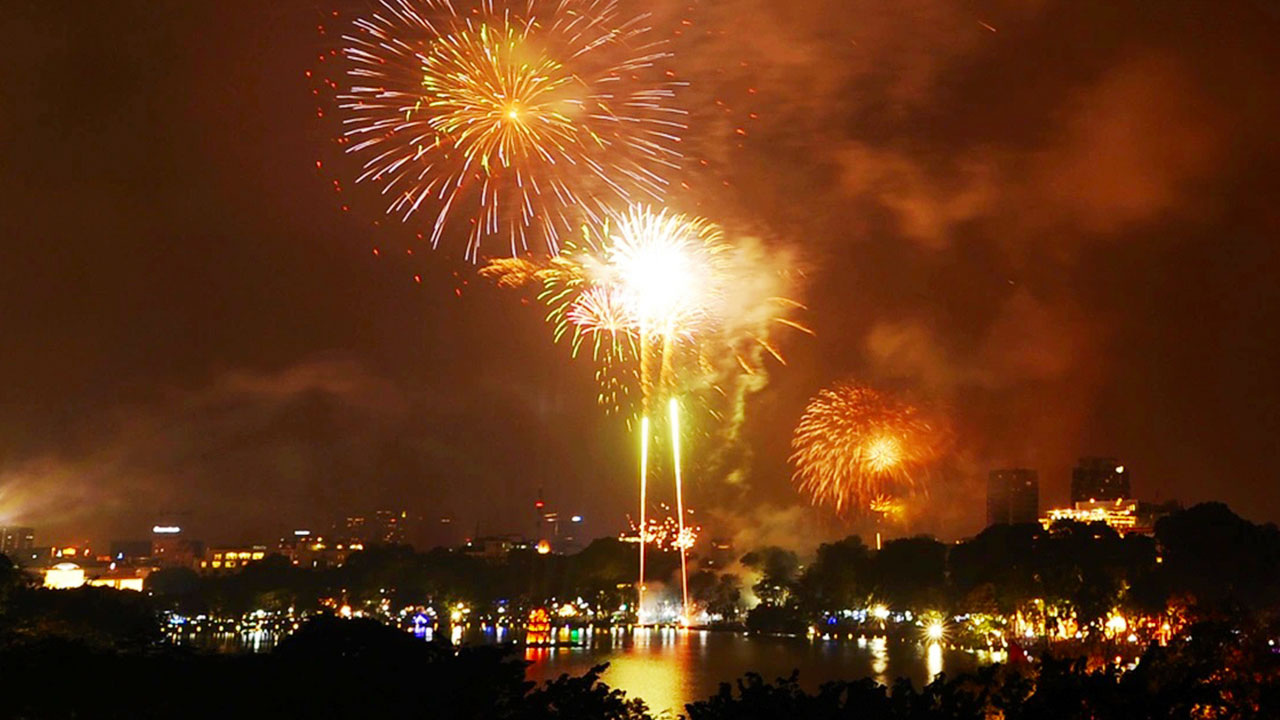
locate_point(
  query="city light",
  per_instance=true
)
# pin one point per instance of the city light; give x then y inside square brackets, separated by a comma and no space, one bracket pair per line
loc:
[64,576]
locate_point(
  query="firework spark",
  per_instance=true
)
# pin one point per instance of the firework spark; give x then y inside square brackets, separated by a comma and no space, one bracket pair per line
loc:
[666,269]
[651,289]
[665,303]
[513,119]
[665,535]
[601,314]
[857,449]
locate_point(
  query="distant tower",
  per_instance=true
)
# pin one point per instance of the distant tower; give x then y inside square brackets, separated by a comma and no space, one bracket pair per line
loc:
[1099,478]
[548,521]
[538,506]
[1013,496]
[15,539]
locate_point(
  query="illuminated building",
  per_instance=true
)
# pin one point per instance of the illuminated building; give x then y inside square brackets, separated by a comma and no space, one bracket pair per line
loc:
[171,548]
[1120,514]
[1099,478]
[389,527]
[385,527]
[231,559]
[73,551]
[64,576]
[120,579]
[355,526]
[1013,496]
[16,539]
[1124,515]
[306,549]
[495,548]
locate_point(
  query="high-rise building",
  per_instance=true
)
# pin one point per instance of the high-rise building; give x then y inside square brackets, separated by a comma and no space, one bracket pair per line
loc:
[1099,478]
[355,527]
[171,548]
[16,539]
[383,527]
[389,526]
[1013,496]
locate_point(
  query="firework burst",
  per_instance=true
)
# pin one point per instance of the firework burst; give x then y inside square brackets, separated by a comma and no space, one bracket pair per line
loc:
[513,120]
[602,315]
[860,450]
[667,270]
[665,304]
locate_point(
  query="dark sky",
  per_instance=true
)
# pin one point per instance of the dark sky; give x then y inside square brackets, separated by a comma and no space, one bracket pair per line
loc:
[1058,220]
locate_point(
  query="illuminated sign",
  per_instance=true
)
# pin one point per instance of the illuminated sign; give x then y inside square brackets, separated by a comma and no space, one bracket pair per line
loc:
[166,529]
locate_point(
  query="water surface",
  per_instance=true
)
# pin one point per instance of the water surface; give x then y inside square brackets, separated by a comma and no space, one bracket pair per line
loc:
[668,667]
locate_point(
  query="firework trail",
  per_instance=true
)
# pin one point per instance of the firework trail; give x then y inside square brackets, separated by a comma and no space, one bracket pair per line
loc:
[661,298]
[860,450]
[514,120]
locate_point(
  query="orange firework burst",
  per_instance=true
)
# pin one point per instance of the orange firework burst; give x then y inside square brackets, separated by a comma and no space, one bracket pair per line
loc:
[857,449]
[512,118]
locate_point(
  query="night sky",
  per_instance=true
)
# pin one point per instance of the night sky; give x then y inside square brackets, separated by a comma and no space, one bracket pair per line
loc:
[1056,220]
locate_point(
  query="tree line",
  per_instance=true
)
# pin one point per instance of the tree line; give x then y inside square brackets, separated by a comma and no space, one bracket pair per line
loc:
[1204,561]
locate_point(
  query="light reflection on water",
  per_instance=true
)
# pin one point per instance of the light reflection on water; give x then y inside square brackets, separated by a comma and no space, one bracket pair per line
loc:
[253,641]
[668,667]
[934,660]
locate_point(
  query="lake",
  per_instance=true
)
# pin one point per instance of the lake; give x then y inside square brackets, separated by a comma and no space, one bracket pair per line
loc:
[668,668]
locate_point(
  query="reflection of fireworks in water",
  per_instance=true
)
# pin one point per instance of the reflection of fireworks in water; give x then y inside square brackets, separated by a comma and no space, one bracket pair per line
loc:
[515,118]
[858,449]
